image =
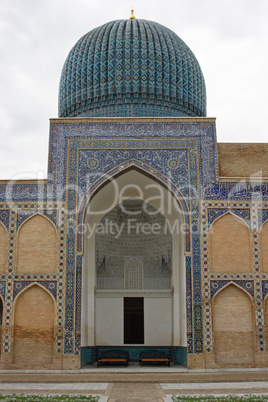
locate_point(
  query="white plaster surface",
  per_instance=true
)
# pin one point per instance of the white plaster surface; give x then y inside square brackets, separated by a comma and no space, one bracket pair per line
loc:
[158,321]
[105,200]
[109,321]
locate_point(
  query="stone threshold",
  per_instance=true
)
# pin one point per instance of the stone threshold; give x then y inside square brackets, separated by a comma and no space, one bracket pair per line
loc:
[135,368]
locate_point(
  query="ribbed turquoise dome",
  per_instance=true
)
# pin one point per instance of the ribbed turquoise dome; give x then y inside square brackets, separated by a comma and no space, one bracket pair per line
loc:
[131,68]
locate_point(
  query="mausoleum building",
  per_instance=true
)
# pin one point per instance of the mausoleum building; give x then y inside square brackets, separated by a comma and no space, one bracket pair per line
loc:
[147,233]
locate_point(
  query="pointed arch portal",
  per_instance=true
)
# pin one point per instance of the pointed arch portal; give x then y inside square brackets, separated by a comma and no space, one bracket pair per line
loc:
[102,306]
[161,169]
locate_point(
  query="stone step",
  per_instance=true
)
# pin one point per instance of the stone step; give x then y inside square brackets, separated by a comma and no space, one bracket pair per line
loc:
[109,376]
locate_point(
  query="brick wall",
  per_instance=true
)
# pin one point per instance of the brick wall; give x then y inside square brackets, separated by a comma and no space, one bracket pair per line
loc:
[34,328]
[230,245]
[37,246]
[233,327]
[242,160]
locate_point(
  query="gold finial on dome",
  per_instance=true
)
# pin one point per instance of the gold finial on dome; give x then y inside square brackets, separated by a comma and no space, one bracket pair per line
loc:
[132,16]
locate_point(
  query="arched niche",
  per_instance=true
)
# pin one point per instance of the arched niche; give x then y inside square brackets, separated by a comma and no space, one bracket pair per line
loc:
[34,319]
[3,248]
[233,326]
[133,248]
[37,246]
[133,184]
[230,245]
[264,247]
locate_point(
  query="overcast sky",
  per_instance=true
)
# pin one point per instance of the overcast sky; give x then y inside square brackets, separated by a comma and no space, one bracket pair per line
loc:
[228,37]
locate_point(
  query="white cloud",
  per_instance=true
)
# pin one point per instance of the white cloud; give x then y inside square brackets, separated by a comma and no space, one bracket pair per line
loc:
[229,38]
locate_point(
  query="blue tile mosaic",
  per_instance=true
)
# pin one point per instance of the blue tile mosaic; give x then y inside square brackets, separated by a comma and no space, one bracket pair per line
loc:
[88,355]
[13,193]
[78,303]
[180,356]
[134,351]
[131,68]
[3,289]
[264,289]
[61,134]
[247,285]
[262,217]
[236,191]
[24,214]
[189,303]
[96,156]
[160,164]
[51,286]
[4,218]
[182,157]
[214,213]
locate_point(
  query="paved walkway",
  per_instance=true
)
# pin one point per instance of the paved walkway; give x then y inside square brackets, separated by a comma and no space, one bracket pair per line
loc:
[137,392]
[150,386]
[239,388]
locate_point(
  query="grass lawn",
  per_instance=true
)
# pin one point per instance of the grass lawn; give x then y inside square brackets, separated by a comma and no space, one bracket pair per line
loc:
[231,398]
[48,398]
[79,398]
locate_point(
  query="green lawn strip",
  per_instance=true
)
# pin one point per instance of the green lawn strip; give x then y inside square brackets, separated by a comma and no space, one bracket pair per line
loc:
[48,398]
[231,398]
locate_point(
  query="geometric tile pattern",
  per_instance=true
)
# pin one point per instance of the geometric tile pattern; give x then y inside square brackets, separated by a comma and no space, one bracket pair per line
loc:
[116,160]
[4,218]
[262,217]
[264,289]
[133,272]
[23,214]
[14,282]
[9,283]
[253,212]
[2,289]
[217,212]
[78,304]
[141,63]
[93,155]
[189,306]
[172,161]
[215,286]
[179,154]
[51,286]
[202,133]
[253,192]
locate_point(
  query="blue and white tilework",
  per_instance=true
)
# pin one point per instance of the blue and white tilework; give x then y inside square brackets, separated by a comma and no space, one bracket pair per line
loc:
[179,153]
